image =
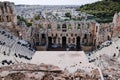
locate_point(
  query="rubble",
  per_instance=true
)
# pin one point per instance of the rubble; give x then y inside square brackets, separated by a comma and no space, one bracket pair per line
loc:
[23,71]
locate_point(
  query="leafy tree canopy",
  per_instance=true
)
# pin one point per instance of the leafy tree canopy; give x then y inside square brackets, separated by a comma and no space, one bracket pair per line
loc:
[102,10]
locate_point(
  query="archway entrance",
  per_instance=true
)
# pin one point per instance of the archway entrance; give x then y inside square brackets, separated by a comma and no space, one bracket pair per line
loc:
[64,42]
[108,38]
[64,27]
[85,36]
[43,41]
[78,47]
[49,41]
[85,39]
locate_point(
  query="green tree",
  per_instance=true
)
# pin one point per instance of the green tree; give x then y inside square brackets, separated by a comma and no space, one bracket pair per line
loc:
[68,15]
[102,10]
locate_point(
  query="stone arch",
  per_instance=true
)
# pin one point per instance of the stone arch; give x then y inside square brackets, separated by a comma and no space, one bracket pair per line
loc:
[84,40]
[64,27]
[49,26]
[43,39]
[0,18]
[56,35]
[49,41]
[96,28]
[58,40]
[8,18]
[72,35]
[58,27]
[64,41]
[69,40]
[5,4]
[85,36]
[54,40]
[73,40]
[78,42]
[108,37]
[69,26]
[78,26]
[2,9]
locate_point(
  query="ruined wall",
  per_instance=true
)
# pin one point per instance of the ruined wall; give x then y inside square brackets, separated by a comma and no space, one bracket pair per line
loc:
[7,16]
[116,24]
[89,33]
[71,30]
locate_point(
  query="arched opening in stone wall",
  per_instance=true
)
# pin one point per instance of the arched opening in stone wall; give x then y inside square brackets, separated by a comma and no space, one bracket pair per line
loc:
[59,41]
[64,27]
[5,4]
[49,41]
[56,35]
[78,26]
[58,27]
[8,18]
[72,35]
[85,36]
[78,46]
[43,39]
[63,41]
[73,40]
[68,40]
[108,37]
[0,18]
[96,28]
[2,10]
[91,38]
[54,40]
[84,41]
[49,26]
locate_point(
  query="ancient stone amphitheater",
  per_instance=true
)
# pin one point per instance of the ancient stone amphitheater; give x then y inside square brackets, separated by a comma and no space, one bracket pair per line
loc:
[19,61]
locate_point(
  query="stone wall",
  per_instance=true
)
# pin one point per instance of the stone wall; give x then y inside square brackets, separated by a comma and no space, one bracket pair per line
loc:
[7,16]
[43,32]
